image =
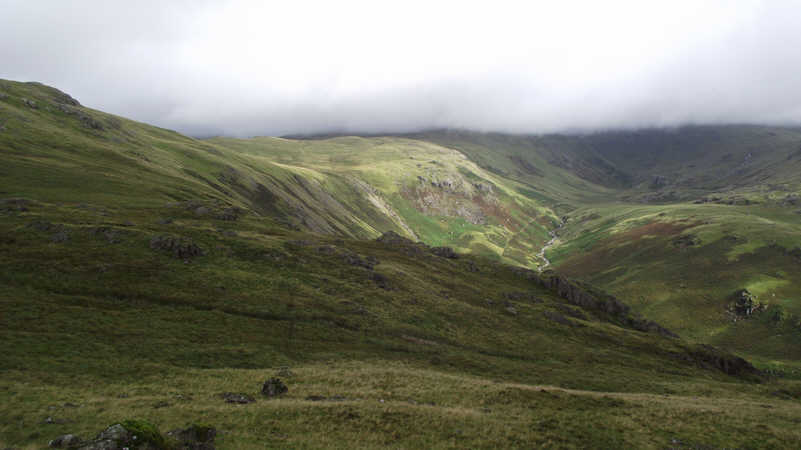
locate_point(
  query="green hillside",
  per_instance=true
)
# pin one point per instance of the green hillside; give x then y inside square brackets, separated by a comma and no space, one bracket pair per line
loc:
[146,273]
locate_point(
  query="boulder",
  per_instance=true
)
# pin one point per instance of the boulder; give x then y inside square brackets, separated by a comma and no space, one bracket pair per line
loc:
[274,387]
[195,437]
[129,434]
[66,441]
[239,398]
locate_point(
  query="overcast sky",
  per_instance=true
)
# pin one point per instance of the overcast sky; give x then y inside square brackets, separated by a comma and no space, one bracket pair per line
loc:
[248,68]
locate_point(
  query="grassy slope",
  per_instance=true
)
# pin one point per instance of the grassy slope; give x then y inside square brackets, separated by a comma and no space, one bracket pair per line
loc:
[94,317]
[122,330]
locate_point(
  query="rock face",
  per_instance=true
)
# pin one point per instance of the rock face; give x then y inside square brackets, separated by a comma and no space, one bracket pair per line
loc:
[274,387]
[580,297]
[711,357]
[604,304]
[658,182]
[178,247]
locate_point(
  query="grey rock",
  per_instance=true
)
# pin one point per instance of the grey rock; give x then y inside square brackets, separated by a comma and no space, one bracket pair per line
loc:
[239,398]
[194,437]
[274,387]
[201,211]
[558,318]
[15,204]
[60,236]
[179,247]
[230,214]
[66,441]
[444,252]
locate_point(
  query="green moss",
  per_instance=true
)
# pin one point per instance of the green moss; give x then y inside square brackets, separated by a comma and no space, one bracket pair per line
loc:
[144,432]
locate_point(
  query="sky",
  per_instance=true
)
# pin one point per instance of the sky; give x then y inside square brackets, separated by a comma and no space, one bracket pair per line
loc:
[246,68]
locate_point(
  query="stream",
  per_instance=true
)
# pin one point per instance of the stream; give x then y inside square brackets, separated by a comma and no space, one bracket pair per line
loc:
[548,245]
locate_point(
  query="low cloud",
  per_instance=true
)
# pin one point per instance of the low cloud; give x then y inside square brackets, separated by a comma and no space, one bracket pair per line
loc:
[255,68]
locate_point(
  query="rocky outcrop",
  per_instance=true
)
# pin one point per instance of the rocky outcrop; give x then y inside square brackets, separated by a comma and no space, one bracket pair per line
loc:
[600,303]
[578,296]
[713,358]
[745,303]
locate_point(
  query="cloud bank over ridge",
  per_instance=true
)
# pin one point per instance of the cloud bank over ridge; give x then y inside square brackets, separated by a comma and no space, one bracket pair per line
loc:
[247,68]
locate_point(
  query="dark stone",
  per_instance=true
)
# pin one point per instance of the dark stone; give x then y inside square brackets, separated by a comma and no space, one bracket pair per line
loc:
[381,280]
[274,387]
[110,234]
[231,214]
[684,241]
[558,318]
[571,312]
[393,238]
[709,356]
[355,260]
[60,236]
[444,252]
[195,437]
[745,303]
[15,205]
[581,297]
[659,181]
[43,225]
[178,247]
[239,398]
[165,221]
[201,211]
[66,441]
[127,435]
